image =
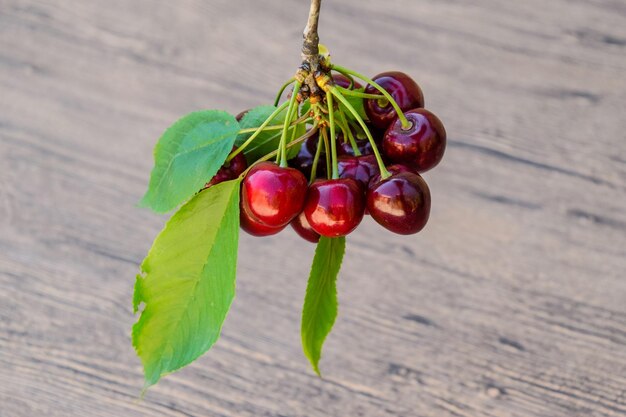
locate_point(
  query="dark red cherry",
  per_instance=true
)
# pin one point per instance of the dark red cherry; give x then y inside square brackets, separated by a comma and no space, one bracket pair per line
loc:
[421,146]
[229,171]
[334,207]
[273,195]
[345,148]
[360,168]
[343,81]
[400,203]
[254,227]
[404,91]
[302,227]
[304,160]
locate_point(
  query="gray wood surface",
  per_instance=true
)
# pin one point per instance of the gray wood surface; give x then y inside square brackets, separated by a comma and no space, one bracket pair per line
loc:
[510,303]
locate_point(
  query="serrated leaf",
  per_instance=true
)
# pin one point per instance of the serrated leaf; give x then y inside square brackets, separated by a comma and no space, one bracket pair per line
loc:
[266,141]
[187,282]
[187,156]
[320,303]
[357,103]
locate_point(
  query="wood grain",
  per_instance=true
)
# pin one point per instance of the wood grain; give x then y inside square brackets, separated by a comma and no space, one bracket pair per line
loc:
[511,303]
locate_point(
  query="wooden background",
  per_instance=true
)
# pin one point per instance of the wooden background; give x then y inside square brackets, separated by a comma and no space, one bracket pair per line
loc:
[511,303]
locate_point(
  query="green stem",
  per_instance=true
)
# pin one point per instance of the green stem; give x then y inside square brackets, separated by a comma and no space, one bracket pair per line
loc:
[282,89]
[283,136]
[347,132]
[316,159]
[401,116]
[359,94]
[333,140]
[381,165]
[327,149]
[256,132]
[274,153]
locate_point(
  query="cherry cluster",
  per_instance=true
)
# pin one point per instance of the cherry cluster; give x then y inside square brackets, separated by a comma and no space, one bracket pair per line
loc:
[374,168]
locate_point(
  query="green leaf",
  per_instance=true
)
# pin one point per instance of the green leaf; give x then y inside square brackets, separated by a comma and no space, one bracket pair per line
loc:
[320,304]
[267,141]
[187,282]
[357,103]
[187,156]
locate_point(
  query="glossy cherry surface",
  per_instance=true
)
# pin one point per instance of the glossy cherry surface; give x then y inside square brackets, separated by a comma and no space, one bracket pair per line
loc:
[404,91]
[343,81]
[345,148]
[335,207]
[303,162]
[229,171]
[302,227]
[421,146]
[255,228]
[360,168]
[273,195]
[401,202]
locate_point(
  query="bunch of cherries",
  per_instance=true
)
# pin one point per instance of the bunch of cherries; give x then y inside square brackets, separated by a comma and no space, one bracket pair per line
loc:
[385,184]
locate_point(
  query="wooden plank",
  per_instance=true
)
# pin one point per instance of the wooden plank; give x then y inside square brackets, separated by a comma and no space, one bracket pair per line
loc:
[510,303]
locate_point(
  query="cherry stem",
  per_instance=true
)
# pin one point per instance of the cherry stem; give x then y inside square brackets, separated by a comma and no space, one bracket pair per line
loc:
[257,131]
[345,127]
[274,153]
[316,159]
[401,116]
[327,149]
[333,141]
[282,89]
[348,92]
[303,119]
[381,165]
[283,136]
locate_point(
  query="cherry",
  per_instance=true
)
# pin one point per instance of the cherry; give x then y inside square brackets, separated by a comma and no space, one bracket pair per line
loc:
[404,91]
[273,195]
[421,146]
[343,81]
[254,227]
[401,202]
[302,227]
[360,168]
[304,160]
[345,148]
[334,207]
[229,171]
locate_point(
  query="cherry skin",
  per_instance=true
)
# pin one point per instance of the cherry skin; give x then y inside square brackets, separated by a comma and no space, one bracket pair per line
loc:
[401,202]
[421,146]
[343,81]
[229,171]
[360,168]
[345,148]
[302,227]
[254,227]
[273,195]
[303,162]
[404,91]
[334,208]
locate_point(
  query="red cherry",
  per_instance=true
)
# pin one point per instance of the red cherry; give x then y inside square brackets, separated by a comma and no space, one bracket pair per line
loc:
[273,195]
[400,203]
[304,160]
[345,148]
[302,227]
[361,168]
[334,207]
[229,171]
[254,227]
[404,91]
[343,81]
[421,146]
